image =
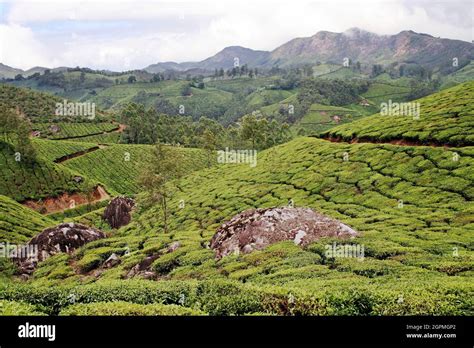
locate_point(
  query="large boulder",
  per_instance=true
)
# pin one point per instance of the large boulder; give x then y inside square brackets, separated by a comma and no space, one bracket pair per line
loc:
[118,212]
[65,238]
[254,229]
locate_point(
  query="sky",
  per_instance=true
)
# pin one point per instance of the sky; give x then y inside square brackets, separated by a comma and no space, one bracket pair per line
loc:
[124,34]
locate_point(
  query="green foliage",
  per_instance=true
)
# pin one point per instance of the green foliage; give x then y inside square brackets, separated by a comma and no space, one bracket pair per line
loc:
[74,130]
[11,308]
[35,105]
[15,130]
[445,119]
[331,92]
[118,166]
[54,150]
[22,180]
[18,223]
[128,309]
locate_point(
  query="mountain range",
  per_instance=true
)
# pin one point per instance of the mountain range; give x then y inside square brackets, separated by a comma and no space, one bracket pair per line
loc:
[355,44]
[328,47]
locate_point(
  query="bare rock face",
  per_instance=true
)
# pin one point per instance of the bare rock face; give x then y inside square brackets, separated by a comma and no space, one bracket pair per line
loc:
[118,212]
[255,229]
[64,238]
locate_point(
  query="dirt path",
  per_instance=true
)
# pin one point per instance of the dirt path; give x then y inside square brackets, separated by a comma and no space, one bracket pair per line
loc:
[66,201]
[399,142]
[119,129]
[76,154]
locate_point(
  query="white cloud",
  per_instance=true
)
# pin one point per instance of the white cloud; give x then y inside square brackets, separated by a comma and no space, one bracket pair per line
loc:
[132,34]
[19,48]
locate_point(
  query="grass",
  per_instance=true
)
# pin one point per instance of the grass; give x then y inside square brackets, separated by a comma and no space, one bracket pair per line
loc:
[411,205]
[19,224]
[74,130]
[35,105]
[54,150]
[118,166]
[39,180]
[445,119]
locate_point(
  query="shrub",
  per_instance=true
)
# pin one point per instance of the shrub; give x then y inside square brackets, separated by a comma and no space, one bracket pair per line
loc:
[127,308]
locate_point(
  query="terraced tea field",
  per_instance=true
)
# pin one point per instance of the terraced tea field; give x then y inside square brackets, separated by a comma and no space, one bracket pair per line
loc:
[43,179]
[55,150]
[118,166]
[68,130]
[19,223]
[445,119]
[411,205]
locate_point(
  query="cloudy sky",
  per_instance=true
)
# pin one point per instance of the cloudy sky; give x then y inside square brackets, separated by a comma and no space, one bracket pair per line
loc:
[122,35]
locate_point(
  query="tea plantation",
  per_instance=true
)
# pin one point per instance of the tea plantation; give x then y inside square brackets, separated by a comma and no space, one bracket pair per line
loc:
[39,180]
[74,130]
[19,224]
[118,166]
[445,119]
[412,206]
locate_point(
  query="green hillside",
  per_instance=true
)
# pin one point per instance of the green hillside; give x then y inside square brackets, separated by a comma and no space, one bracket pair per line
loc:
[118,166]
[74,130]
[19,224]
[464,74]
[412,206]
[38,180]
[35,105]
[446,118]
[55,150]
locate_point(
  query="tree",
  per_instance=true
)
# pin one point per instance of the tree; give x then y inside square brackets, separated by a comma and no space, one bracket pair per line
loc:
[376,70]
[140,124]
[401,70]
[209,143]
[252,129]
[19,77]
[16,131]
[132,79]
[166,164]
[156,78]
[186,91]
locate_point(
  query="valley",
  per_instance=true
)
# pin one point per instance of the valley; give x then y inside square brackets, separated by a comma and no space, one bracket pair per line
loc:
[198,232]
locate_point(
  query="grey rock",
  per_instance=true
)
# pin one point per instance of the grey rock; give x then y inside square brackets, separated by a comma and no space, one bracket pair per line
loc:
[255,229]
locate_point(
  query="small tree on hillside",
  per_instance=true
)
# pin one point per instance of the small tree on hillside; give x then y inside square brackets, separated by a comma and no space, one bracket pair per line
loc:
[186,90]
[16,131]
[166,164]
[252,129]
[209,143]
